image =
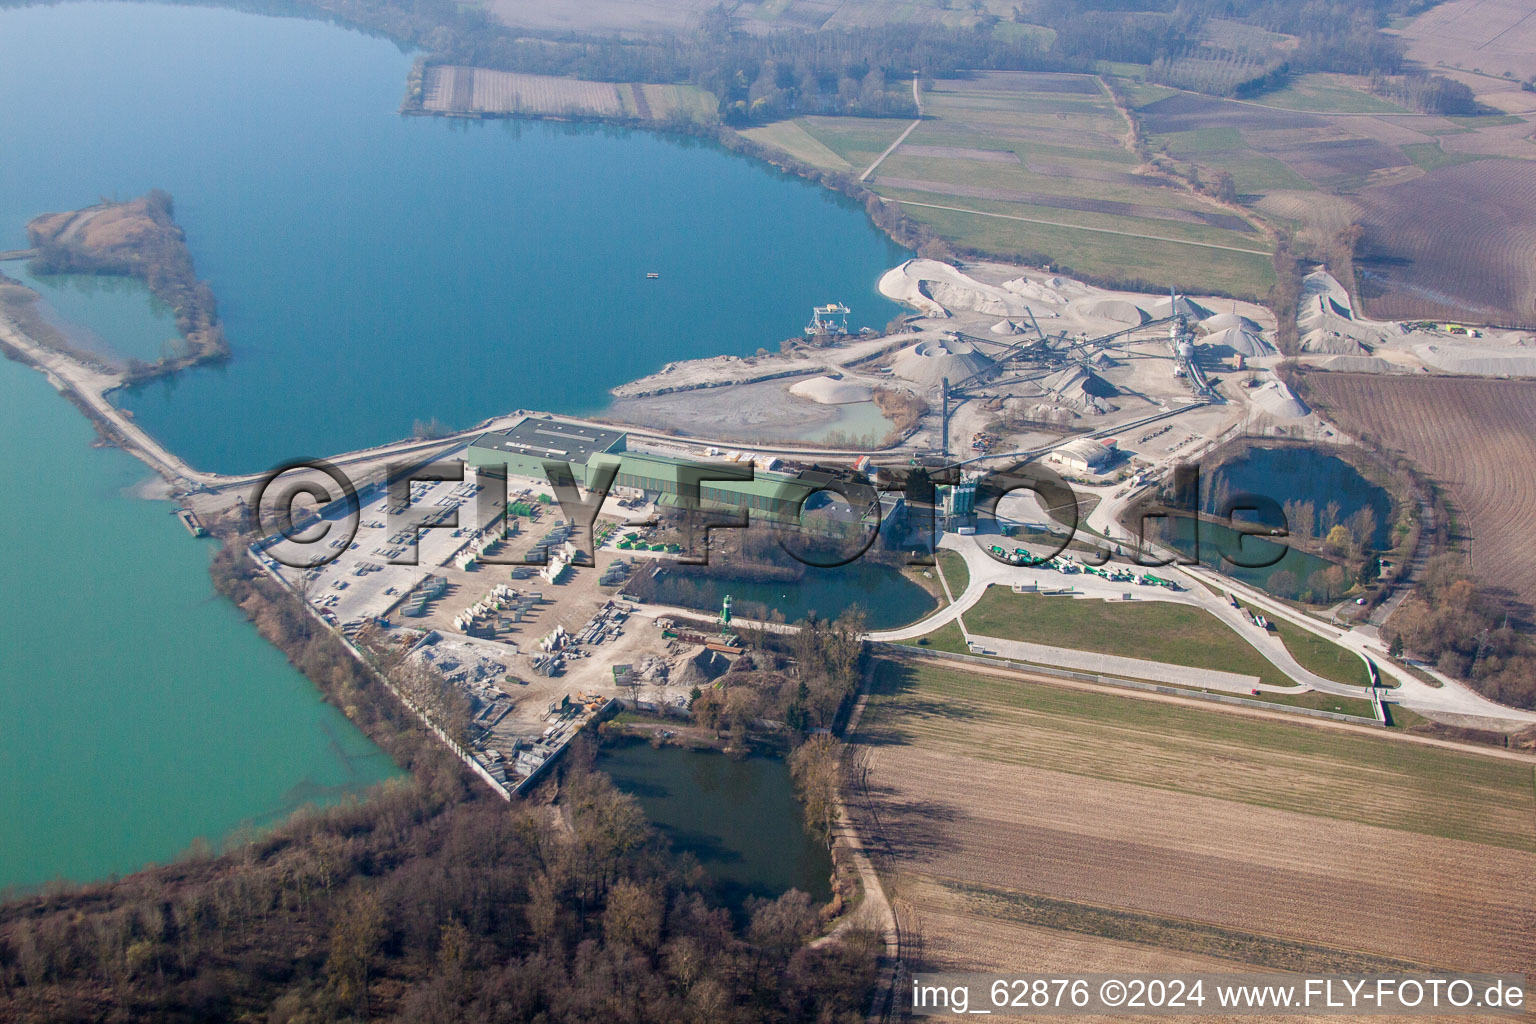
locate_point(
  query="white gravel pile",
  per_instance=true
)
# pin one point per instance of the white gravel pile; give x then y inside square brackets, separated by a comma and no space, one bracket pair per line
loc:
[1119,310]
[1035,291]
[832,391]
[1479,360]
[1244,343]
[930,362]
[1328,324]
[1332,343]
[1227,321]
[1279,401]
[936,288]
[1183,304]
[1081,391]
[1362,364]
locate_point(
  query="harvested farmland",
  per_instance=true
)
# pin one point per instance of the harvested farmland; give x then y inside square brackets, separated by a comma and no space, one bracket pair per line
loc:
[1053,822]
[1222,133]
[1456,243]
[1321,161]
[1036,168]
[1188,112]
[478,90]
[450,89]
[1496,35]
[1477,437]
[1449,228]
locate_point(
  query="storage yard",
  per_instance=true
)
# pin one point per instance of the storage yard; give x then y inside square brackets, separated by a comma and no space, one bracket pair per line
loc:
[488,631]
[504,601]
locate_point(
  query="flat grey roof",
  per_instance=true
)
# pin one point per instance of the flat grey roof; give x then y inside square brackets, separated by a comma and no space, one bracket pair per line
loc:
[550,439]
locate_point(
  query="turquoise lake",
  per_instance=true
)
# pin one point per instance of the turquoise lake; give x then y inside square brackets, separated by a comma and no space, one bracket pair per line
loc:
[139,710]
[374,270]
[888,598]
[89,310]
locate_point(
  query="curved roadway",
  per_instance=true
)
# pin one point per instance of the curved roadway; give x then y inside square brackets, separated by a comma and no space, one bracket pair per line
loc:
[987,571]
[1451,697]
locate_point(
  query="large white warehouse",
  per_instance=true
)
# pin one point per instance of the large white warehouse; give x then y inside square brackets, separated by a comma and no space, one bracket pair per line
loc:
[1084,455]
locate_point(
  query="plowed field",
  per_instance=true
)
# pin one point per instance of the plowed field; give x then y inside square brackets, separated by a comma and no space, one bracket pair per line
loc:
[1458,241]
[1026,825]
[1477,437]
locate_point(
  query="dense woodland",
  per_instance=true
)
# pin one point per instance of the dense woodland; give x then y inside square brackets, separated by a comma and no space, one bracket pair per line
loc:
[1465,632]
[1431,94]
[430,902]
[433,900]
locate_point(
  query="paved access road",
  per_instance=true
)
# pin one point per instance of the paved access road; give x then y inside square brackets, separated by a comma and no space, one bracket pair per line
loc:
[987,571]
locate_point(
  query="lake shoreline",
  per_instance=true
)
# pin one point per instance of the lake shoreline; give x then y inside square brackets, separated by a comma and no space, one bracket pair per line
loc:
[895,224]
[86,388]
[138,239]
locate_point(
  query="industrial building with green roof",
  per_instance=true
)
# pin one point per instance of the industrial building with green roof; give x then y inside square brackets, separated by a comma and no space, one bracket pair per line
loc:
[527,446]
[662,479]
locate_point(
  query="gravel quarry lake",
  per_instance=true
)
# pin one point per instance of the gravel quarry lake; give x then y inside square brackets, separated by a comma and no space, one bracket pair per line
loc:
[739,817]
[371,270]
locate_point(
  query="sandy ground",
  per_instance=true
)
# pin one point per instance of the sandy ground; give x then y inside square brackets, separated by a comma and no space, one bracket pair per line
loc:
[765,411]
[986,292]
[761,411]
[728,397]
[716,370]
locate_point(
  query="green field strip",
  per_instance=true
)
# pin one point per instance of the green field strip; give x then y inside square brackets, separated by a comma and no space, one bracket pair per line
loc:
[1351,776]
[1018,177]
[1118,257]
[972,210]
[791,138]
